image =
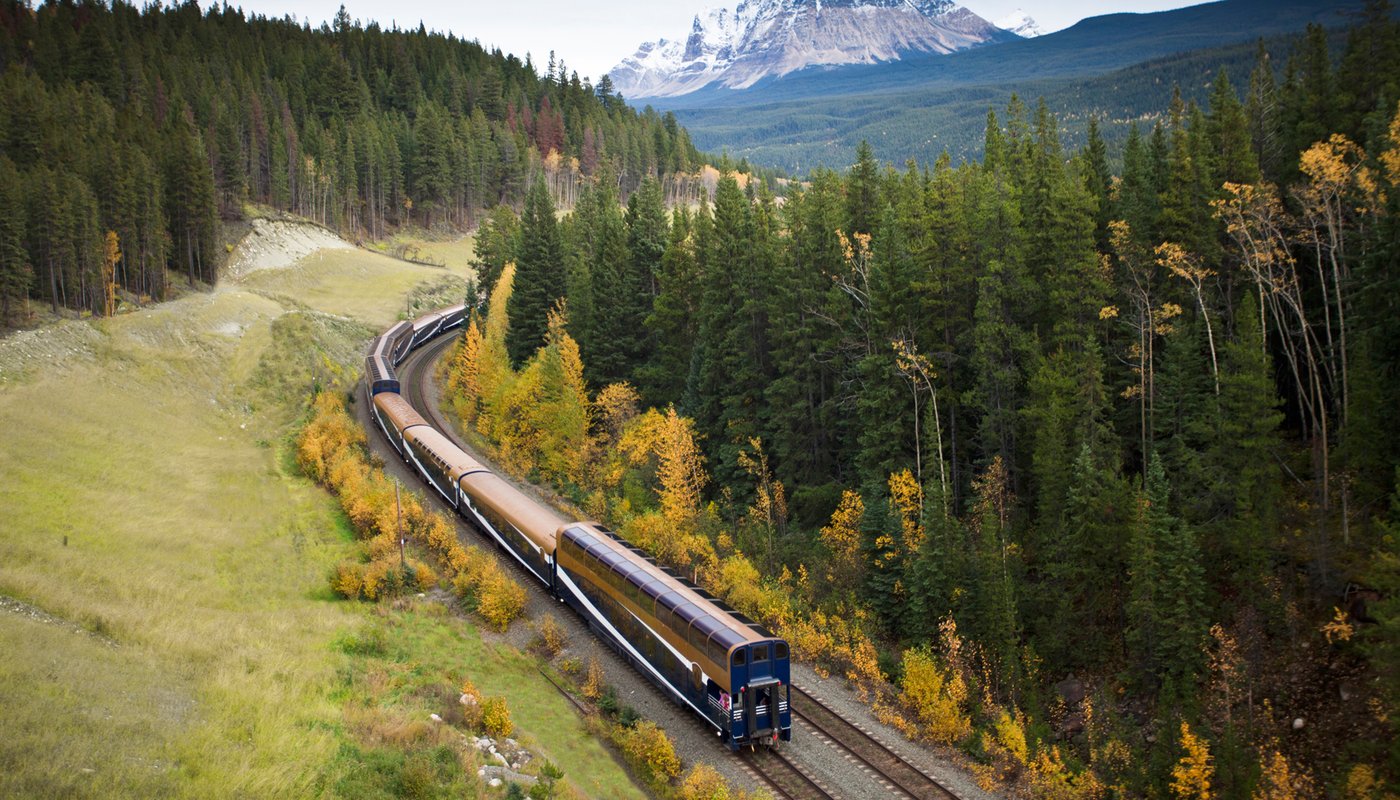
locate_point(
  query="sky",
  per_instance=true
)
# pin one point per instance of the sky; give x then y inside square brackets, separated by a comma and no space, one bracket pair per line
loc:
[591,38]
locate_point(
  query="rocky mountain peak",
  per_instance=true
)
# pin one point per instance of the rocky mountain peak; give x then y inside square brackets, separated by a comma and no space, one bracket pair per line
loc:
[758,39]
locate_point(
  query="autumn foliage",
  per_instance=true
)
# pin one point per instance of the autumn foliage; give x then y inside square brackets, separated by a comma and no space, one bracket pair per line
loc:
[332,449]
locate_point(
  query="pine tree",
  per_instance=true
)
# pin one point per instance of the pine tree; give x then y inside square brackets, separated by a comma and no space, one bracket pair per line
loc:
[539,279]
[15,272]
[671,324]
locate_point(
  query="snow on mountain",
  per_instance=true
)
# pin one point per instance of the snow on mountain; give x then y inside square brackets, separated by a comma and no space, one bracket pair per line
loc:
[1021,24]
[763,38]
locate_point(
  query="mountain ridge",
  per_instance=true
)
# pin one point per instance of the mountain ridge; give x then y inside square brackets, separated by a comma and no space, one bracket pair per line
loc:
[761,39]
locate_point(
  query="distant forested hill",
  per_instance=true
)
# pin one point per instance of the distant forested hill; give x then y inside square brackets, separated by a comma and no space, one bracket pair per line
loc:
[1119,67]
[154,123]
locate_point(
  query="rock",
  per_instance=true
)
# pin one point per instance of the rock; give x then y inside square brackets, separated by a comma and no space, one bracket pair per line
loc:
[501,759]
[1071,690]
[494,783]
[435,718]
[481,772]
[1298,724]
[1073,724]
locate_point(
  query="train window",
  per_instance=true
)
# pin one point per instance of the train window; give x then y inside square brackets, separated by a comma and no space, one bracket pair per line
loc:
[739,657]
[760,653]
[780,651]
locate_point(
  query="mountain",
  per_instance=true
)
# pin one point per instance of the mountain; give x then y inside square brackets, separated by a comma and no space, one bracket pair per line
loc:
[1021,24]
[761,39]
[1118,66]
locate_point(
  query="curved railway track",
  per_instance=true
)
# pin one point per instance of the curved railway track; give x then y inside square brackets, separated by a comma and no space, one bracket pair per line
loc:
[771,767]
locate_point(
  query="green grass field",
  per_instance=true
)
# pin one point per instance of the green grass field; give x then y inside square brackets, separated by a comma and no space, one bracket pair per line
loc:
[186,643]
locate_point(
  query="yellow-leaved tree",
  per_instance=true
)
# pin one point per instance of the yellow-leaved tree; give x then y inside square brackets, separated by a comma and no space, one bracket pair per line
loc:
[681,470]
[842,539]
[1193,773]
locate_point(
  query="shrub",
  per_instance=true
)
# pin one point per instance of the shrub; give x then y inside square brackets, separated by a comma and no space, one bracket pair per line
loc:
[703,782]
[651,750]
[593,685]
[495,718]
[935,696]
[552,635]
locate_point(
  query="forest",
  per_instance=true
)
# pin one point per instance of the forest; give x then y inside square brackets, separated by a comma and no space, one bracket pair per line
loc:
[129,135]
[1089,472]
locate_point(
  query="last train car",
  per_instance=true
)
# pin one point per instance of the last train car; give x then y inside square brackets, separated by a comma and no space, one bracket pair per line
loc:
[732,674]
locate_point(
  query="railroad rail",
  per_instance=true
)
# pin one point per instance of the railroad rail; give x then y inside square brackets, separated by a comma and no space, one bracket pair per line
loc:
[776,771]
[898,775]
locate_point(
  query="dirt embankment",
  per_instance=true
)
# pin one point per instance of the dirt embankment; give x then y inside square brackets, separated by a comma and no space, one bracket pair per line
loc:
[277,244]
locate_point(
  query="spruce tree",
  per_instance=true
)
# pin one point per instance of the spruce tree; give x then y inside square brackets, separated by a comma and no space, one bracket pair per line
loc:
[539,277]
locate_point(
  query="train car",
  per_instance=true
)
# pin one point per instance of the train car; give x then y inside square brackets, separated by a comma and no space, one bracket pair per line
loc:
[424,328]
[379,370]
[400,342]
[395,416]
[452,317]
[525,528]
[439,461]
[731,673]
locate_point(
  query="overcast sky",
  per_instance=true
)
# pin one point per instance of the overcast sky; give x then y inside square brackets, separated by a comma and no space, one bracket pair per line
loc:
[592,37]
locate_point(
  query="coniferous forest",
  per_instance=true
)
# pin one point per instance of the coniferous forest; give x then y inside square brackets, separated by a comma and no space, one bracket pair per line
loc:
[1090,458]
[1098,461]
[157,123]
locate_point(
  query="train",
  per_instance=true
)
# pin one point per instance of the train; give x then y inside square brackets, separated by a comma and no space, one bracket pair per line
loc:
[709,658]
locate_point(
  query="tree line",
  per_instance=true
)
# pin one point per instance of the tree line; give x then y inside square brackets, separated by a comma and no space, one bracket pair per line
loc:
[1136,425]
[157,123]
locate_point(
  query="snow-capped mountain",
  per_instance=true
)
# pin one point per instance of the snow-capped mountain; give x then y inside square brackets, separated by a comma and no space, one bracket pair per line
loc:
[763,38]
[1021,24]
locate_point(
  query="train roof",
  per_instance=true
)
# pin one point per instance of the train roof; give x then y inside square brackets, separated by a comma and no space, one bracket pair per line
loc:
[537,522]
[382,345]
[378,368]
[399,411]
[427,320]
[671,591]
[451,459]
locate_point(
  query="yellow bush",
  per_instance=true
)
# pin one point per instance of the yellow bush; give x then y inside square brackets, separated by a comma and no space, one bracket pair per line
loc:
[593,684]
[500,600]
[495,717]
[703,782]
[552,634]
[348,580]
[650,749]
[935,696]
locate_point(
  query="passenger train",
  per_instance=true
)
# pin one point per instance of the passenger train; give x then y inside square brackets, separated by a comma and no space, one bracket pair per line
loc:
[705,655]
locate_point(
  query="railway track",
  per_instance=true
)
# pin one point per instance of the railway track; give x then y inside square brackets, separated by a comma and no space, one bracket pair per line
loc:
[896,774]
[773,768]
[776,771]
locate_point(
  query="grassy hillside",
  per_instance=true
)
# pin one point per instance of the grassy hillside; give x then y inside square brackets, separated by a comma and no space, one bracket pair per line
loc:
[164,614]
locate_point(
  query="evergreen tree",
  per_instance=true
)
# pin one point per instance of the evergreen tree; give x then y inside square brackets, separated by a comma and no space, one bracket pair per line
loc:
[539,278]
[15,272]
[672,324]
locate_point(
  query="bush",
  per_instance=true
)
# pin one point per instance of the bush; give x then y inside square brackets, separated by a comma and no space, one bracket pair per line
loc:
[552,635]
[703,782]
[593,685]
[651,750]
[495,718]
[935,696]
